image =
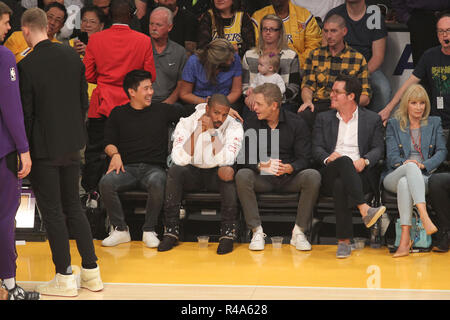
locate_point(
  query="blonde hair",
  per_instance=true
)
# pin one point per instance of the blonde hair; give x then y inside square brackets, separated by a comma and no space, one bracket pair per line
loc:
[414,92]
[217,52]
[35,19]
[282,40]
[273,59]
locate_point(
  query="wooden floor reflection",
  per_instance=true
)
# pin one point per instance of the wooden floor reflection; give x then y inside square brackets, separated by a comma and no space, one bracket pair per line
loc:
[132,271]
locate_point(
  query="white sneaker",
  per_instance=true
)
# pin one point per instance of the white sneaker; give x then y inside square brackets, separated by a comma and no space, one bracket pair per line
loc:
[91,280]
[300,242]
[61,285]
[257,242]
[116,237]
[150,238]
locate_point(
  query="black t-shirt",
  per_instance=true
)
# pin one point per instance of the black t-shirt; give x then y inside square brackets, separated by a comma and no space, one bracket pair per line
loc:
[434,69]
[361,33]
[141,136]
[184,26]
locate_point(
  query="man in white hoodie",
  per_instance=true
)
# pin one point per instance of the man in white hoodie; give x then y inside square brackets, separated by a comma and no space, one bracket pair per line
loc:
[205,148]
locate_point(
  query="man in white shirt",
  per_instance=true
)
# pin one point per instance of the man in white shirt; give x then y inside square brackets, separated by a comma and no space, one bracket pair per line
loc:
[205,148]
[348,142]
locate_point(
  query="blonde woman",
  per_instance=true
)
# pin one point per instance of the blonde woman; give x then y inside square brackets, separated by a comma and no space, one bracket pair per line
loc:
[415,147]
[215,69]
[273,40]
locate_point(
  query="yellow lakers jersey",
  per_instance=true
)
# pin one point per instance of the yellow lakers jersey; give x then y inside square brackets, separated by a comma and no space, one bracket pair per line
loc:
[232,32]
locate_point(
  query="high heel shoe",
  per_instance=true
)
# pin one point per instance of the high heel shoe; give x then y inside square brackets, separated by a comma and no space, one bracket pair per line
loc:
[431,230]
[404,253]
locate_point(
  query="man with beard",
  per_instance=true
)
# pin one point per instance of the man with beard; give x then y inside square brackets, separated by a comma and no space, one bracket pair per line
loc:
[205,148]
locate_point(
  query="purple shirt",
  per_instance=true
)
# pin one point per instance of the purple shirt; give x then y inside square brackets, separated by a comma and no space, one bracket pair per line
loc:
[403,8]
[12,127]
[194,72]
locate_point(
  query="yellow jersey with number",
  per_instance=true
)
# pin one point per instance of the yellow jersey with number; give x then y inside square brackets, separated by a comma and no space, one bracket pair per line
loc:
[301,28]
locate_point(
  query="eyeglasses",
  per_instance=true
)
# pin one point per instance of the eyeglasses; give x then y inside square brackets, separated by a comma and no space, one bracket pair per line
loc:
[270,29]
[443,32]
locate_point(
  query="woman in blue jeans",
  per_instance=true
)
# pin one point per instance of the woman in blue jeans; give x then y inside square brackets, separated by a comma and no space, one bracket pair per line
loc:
[415,147]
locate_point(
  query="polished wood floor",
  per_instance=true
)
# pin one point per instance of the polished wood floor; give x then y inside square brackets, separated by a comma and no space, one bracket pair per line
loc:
[134,272]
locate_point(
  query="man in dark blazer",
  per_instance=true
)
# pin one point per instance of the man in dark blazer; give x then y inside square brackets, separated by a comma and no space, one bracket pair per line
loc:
[54,99]
[347,143]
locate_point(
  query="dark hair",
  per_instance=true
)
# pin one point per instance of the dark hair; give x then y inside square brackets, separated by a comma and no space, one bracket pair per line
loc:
[120,11]
[59,6]
[220,99]
[4,9]
[134,78]
[218,20]
[98,12]
[442,14]
[352,85]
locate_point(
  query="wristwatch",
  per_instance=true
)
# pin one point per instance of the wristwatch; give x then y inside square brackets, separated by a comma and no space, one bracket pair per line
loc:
[367,162]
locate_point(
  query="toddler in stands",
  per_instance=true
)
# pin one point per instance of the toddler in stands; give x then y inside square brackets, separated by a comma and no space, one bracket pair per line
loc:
[268,65]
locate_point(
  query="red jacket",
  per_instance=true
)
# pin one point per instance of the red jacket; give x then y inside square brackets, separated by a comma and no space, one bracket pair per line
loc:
[110,55]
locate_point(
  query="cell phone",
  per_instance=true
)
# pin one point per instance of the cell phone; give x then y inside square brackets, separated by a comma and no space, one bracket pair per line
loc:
[83,37]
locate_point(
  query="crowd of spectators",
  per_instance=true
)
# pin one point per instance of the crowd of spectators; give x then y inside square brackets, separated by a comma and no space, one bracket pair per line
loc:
[308,70]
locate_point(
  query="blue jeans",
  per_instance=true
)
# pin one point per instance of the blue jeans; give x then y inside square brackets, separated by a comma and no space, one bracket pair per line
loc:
[381,91]
[151,178]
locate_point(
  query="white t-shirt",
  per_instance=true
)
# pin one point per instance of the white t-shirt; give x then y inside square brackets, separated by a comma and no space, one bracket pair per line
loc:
[273,78]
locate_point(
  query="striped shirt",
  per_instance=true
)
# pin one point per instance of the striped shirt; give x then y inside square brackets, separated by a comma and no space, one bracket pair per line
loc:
[289,72]
[321,70]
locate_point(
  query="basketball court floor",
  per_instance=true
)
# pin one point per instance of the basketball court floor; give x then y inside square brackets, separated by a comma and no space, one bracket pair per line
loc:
[132,271]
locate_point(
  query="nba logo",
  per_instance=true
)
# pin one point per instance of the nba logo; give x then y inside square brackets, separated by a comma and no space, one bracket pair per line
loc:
[12,74]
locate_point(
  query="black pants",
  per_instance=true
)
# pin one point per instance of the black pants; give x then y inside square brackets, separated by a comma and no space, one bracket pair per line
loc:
[422,30]
[310,116]
[341,181]
[95,162]
[56,186]
[439,193]
[190,178]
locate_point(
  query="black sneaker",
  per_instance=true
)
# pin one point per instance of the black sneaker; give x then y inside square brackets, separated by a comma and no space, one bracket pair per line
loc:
[18,293]
[167,243]
[225,245]
[442,243]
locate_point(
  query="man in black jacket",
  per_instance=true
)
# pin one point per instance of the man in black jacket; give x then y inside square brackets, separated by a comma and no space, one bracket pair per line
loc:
[347,144]
[54,98]
[281,164]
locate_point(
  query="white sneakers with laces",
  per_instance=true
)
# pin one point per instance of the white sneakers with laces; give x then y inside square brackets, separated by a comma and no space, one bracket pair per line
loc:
[258,242]
[150,238]
[299,241]
[116,237]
